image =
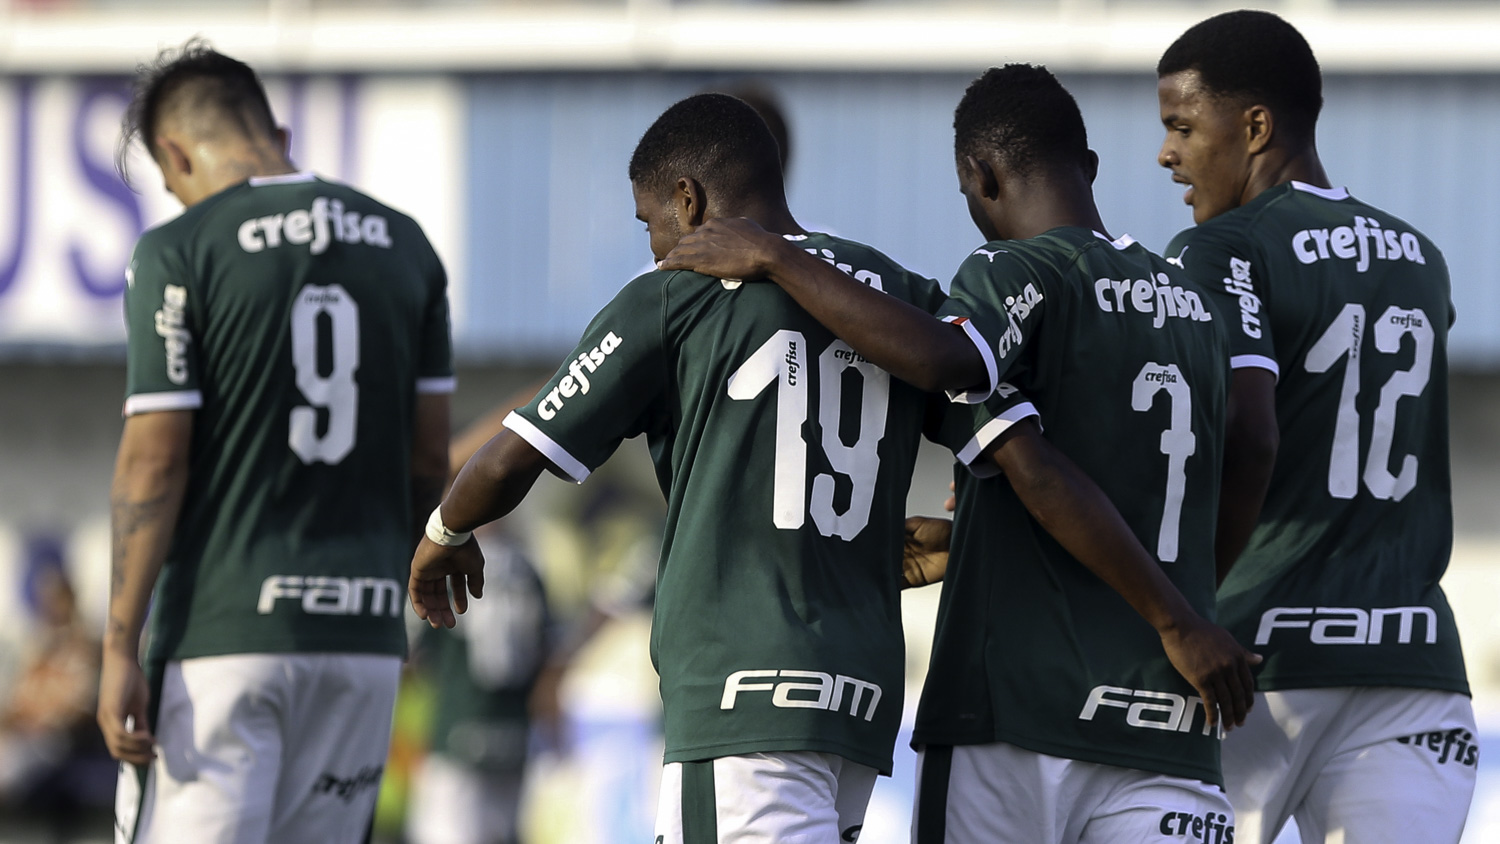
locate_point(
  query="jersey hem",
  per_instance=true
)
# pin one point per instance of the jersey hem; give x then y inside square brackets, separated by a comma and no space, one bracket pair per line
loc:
[698,753]
[1288,682]
[350,646]
[1210,775]
[526,430]
[987,434]
[991,369]
[156,402]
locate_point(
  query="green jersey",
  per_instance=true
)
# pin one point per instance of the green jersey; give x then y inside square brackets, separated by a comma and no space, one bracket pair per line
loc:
[1127,368]
[299,319]
[1349,307]
[785,458]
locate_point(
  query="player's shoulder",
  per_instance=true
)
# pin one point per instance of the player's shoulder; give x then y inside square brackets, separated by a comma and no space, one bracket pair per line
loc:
[873,267]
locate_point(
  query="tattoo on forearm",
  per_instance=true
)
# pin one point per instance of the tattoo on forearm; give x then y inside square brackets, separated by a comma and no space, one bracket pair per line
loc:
[127,518]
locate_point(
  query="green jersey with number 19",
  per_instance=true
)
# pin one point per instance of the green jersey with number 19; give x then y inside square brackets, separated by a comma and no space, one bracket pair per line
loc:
[1128,369]
[1349,307]
[299,319]
[785,458]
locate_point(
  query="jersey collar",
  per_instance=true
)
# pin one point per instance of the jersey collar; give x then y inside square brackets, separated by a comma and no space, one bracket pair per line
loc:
[1122,242]
[1334,194]
[283,179]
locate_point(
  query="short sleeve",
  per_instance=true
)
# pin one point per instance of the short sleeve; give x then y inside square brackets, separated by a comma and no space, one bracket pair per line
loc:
[161,357]
[997,300]
[968,429]
[1229,274]
[435,361]
[606,390]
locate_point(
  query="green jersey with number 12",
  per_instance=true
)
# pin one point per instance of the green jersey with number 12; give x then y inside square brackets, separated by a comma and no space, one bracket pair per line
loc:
[785,458]
[299,319]
[1349,307]
[1128,369]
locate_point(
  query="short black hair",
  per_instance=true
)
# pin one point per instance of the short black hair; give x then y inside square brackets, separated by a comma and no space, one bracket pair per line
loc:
[716,139]
[760,97]
[1021,116]
[1253,57]
[200,80]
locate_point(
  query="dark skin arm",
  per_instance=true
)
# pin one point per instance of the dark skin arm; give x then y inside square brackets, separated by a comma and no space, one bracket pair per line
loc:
[489,486]
[151,474]
[1072,508]
[429,458]
[472,438]
[1251,439]
[902,339]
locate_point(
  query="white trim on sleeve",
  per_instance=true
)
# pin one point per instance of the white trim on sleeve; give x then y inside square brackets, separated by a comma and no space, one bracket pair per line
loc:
[576,471]
[437,385]
[1255,362]
[154,402]
[990,368]
[988,434]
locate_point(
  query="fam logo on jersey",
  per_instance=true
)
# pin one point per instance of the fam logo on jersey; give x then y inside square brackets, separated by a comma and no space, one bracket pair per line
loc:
[319,226]
[1360,242]
[332,595]
[1148,710]
[577,379]
[1017,309]
[1456,745]
[827,690]
[347,788]
[171,325]
[870,278]
[1207,828]
[1348,625]
[1161,299]
[1238,284]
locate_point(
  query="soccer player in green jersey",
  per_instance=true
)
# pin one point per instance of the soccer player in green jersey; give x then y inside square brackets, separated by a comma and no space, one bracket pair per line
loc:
[1052,710]
[286,415]
[1336,517]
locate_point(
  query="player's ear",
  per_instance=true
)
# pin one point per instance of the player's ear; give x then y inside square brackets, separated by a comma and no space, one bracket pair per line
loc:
[283,138]
[984,176]
[172,158]
[1091,166]
[691,201]
[1259,126]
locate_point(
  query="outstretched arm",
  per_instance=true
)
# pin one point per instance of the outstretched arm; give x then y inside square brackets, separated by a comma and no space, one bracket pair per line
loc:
[900,338]
[1251,439]
[1070,507]
[151,474]
[490,485]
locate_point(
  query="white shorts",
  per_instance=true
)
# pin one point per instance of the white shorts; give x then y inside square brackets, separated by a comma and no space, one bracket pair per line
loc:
[764,798]
[457,804]
[1354,764]
[1001,794]
[262,748]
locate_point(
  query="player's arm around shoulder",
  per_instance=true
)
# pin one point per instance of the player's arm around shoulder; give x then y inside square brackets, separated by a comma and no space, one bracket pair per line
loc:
[151,475]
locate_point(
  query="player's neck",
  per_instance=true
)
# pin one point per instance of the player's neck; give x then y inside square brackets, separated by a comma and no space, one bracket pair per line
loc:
[774,217]
[1281,166]
[1049,208]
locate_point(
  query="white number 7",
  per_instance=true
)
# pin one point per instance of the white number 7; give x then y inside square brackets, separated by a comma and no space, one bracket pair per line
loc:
[1177,443]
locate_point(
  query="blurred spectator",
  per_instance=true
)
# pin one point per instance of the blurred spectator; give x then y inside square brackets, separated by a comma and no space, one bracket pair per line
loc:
[52,759]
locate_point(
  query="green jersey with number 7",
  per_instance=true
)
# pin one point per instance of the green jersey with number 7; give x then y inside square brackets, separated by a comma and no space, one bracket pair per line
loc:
[299,318]
[1349,307]
[1127,366]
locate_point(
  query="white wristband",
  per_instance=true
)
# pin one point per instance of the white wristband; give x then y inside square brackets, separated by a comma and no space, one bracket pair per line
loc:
[439,532]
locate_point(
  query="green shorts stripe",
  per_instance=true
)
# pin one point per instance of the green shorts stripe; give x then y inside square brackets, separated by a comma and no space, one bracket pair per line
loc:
[932,794]
[700,822]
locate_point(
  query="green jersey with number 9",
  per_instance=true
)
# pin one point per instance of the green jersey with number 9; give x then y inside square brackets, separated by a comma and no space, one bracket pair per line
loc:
[785,458]
[298,319]
[1127,367]
[1349,307]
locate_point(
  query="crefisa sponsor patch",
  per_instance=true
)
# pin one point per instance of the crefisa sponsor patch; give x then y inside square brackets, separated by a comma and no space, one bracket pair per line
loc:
[1207,828]
[1457,746]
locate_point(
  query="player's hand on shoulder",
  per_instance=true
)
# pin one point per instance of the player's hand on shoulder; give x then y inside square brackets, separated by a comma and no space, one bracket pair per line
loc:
[726,247]
[434,569]
[1209,658]
[123,699]
[924,558]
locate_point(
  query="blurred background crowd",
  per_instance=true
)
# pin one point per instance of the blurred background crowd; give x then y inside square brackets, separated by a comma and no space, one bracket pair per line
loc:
[504,126]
